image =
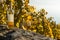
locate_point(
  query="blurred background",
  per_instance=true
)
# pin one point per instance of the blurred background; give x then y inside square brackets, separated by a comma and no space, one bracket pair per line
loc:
[52,7]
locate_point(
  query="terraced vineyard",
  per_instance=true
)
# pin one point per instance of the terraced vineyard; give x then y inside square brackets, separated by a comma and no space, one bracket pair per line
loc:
[26,18]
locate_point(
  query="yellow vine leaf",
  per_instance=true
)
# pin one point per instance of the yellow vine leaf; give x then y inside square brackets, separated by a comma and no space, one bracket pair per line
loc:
[29,17]
[23,27]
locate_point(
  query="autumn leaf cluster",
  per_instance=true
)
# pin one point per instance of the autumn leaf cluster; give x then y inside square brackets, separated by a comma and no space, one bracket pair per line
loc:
[25,17]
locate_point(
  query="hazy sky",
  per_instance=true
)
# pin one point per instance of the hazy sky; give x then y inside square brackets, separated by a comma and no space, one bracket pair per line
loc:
[51,6]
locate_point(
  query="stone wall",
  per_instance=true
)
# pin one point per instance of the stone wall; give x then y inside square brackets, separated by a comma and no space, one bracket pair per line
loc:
[20,34]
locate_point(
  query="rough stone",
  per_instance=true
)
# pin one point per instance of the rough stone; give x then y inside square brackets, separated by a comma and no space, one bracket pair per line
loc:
[25,35]
[20,34]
